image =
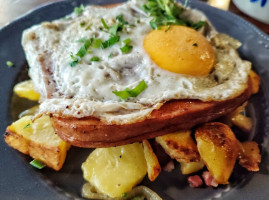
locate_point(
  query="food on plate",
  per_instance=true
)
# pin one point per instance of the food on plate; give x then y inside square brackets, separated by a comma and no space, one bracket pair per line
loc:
[25,89]
[120,70]
[133,81]
[153,165]
[191,167]
[218,148]
[115,170]
[250,156]
[37,139]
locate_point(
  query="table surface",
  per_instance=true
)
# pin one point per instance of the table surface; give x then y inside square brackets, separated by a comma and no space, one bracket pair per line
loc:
[11,9]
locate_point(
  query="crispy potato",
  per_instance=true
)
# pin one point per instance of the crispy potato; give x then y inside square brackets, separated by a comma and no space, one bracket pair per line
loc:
[241,121]
[250,156]
[115,170]
[153,165]
[218,148]
[191,167]
[25,89]
[37,139]
[255,82]
[180,146]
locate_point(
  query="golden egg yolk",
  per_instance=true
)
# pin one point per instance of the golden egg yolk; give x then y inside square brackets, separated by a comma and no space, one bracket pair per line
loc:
[181,50]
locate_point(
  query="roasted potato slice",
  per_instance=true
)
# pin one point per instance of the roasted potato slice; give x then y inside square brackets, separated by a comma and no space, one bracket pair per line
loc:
[37,139]
[255,82]
[191,167]
[153,165]
[218,148]
[25,89]
[250,156]
[180,146]
[115,170]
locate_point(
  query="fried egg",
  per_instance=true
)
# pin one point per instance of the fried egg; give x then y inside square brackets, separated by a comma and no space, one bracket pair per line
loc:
[176,62]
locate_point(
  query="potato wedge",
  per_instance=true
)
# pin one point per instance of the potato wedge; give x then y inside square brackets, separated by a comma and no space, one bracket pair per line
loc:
[37,139]
[250,156]
[218,148]
[25,89]
[191,167]
[180,146]
[115,170]
[153,165]
[255,82]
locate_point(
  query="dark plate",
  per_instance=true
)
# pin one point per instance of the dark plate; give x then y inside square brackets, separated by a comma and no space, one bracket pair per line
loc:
[19,180]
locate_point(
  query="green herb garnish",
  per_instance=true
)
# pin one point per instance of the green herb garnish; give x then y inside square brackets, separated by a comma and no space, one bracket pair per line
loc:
[127,41]
[110,55]
[111,41]
[167,12]
[95,59]
[195,45]
[88,27]
[104,23]
[124,94]
[97,43]
[83,23]
[37,164]
[75,60]
[79,10]
[9,63]
[27,126]
[121,20]
[126,48]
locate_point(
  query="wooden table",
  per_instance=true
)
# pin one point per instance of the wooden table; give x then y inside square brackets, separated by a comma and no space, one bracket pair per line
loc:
[11,9]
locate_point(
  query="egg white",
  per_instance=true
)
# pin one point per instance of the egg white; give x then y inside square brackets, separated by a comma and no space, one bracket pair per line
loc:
[86,89]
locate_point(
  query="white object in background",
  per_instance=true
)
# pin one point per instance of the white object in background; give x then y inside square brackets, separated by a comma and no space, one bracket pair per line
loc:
[258,9]
[222,4]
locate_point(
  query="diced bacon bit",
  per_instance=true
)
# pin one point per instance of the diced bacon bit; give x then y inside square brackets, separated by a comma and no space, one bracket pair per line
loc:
[209,179]
[169,166]
[195,181]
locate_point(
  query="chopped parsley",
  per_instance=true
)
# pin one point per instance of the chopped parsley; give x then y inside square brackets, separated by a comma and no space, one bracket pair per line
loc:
[126,48]
[111,41]
[79,10]
[124,94]
[37,164]
[27,126]
[127,41]
[9,63]
[83,23]
[167,12]
[95,59]
[110,55]
[104,23]
[88,27]
[97,43]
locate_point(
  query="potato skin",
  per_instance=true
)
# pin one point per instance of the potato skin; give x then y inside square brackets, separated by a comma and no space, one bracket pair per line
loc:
[218,148]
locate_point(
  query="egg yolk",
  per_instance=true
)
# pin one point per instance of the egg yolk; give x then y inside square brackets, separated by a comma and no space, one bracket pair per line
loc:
[181,50]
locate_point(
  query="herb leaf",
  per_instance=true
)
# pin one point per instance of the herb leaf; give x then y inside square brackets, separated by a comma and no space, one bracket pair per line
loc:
[167,12]
[9,63]
[124,94]
[79,10]
[95,59]
[104,23]
[37,164]
[111,41]
[126,48]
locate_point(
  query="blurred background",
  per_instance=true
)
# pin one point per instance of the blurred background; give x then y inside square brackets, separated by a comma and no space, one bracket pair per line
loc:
[12,9]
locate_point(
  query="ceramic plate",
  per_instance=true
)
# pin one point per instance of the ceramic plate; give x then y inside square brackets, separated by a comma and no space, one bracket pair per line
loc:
[19,180]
